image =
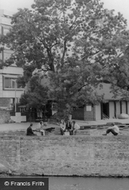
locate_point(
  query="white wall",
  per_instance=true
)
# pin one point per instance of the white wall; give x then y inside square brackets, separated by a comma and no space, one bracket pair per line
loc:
[1,86]
[98,111]
[12,94]
[5,21]
[12,70]
[123,107]
[18,118]
[111,109]
[117,108]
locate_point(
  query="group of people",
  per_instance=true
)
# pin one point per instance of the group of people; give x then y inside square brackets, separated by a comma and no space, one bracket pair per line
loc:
[30,131]
[69,127]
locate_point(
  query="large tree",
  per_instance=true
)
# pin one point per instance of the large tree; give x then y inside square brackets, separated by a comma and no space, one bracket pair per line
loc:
[36,95]
[78,41]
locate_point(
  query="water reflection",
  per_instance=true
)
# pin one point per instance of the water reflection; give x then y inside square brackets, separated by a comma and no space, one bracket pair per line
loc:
[83,183]
[79,183]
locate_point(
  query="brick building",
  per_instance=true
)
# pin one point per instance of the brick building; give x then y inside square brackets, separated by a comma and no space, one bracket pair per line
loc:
[110,107]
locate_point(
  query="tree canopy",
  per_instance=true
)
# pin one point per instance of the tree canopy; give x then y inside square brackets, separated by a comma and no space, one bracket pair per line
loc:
[79,41]
[36,95]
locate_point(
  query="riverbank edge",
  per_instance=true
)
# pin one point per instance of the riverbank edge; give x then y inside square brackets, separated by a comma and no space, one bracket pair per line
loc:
[73,176]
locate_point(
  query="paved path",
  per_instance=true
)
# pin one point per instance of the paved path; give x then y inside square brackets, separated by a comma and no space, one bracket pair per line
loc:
[23,126]
[101,122]
[20,126]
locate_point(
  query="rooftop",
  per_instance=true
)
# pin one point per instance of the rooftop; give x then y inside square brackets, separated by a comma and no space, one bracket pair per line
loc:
[6,13]
[106,90]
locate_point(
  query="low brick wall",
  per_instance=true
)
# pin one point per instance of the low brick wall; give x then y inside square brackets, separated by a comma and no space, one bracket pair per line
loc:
[89,115]
[4,116]
[66,156]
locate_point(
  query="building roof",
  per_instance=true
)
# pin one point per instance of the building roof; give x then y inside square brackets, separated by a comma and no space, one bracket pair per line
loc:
[106,90]
[5,13]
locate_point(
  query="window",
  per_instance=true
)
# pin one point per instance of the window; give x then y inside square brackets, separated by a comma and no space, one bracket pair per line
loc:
[10,83]
[4,30]
[88,108]
[13,83]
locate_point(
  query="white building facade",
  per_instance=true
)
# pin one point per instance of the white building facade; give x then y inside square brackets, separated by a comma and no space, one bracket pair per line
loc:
[8,75]
[5,25]
[10,92]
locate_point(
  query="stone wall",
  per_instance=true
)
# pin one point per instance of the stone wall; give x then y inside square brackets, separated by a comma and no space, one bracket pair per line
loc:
[66,156]
[4,116]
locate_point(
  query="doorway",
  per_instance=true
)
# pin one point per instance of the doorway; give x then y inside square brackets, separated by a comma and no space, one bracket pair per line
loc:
[105,110]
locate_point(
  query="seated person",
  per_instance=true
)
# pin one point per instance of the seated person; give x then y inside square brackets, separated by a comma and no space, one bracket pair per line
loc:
[114,130]
[62,127]
[75,127]
[30,131]
[41,128]
[72,127]
[69,127]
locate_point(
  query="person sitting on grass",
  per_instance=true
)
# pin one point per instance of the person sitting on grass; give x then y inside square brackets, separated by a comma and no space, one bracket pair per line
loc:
[69,127]
[30,131]
[62,127]
[76,127]
[41,128]
[114,130]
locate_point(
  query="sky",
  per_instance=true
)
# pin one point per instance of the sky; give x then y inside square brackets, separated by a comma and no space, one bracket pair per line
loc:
[118,5]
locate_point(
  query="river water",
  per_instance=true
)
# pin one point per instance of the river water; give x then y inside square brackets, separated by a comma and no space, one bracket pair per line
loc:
[84,183]
[80,183]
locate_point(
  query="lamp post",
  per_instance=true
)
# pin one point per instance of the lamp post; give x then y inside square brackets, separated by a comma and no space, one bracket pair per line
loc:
[15,98]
